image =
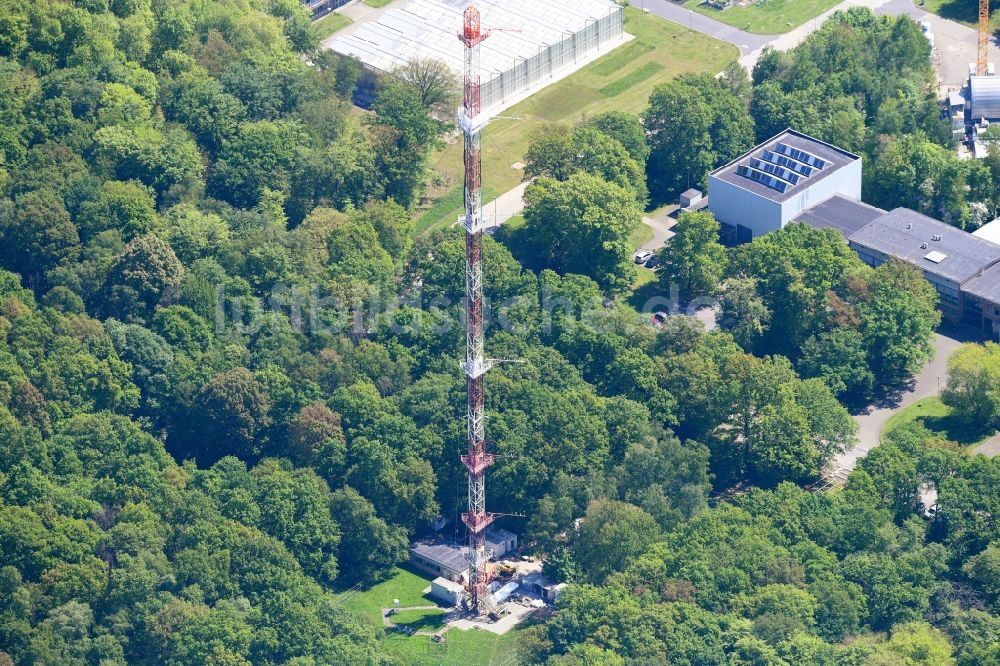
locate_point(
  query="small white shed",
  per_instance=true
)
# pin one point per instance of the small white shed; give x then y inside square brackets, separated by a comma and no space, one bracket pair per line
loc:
[447,591]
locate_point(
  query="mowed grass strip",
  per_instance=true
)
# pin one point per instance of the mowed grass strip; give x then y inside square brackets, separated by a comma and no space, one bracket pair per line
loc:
[329,24]
[621,57]
[671,47]
[626,82]
[766,17]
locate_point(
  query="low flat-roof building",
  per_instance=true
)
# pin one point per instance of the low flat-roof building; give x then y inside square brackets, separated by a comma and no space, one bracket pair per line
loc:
[981,298]
[949,257]
[842,213]
[776,182]
[500,541]
[441,559]
[449,560]
[989,231]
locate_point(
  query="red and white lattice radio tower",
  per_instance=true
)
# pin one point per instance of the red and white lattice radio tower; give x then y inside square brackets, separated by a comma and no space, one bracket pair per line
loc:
[472,122]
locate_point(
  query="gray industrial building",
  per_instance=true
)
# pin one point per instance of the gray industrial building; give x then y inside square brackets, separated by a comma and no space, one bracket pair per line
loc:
[538,41]
[981,298]
[793,177]
[776,182]
[949,257]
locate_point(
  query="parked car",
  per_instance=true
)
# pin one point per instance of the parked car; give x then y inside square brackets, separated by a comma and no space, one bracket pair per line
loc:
[658,318]
[653,262]
[642,256]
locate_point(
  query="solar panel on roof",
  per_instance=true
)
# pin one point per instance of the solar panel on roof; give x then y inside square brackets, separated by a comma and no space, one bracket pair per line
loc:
[762,178]
[787,162]
[800,155]
[775,170]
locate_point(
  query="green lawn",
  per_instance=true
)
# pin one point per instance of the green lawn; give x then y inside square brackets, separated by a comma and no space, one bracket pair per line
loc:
[461,648]
[937,417]
[621,80]
[423,619]
[962,11]
[376,3]
[404,585]
[474,647]
[328,25]
[766,17]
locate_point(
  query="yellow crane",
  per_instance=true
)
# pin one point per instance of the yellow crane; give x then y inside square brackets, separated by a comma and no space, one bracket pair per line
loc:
[984,28]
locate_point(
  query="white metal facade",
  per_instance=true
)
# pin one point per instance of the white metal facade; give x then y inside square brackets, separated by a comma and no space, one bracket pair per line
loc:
[736,206]
[548,36]
[985,93]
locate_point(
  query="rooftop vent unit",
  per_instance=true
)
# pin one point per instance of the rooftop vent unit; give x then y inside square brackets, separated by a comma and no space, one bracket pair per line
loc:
[923,246]
[935,237]
[936,257]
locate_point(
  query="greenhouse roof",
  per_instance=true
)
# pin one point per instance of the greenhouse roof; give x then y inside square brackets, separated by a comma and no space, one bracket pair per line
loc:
[429,29]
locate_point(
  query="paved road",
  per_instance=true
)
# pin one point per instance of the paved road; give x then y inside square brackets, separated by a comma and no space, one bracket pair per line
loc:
[747,42]
[870,423]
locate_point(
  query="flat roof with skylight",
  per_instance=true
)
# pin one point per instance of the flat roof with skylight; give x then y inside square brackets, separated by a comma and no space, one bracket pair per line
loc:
[935,247]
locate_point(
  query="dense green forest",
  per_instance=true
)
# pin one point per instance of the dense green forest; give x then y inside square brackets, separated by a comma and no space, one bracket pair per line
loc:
[229,383]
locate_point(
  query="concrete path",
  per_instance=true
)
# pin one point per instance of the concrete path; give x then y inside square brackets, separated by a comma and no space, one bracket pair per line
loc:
[989,448]
[662,225]
[870,423]
[932,378]
[506,206]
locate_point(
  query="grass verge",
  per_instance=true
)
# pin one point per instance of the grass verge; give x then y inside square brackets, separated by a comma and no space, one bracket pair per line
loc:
[766,17]
[962,11]
[329,24]
[376,3]
[938,418]
[660,51]
[642,235]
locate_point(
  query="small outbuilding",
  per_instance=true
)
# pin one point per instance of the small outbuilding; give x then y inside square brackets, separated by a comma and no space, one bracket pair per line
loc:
[500,541]
[689,198]
[446,591]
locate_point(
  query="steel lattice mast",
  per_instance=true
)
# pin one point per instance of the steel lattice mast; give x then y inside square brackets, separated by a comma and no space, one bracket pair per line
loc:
[472,122]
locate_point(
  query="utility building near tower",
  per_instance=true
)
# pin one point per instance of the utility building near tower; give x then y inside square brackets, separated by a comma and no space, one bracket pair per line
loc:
[773,184]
